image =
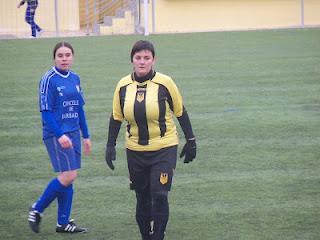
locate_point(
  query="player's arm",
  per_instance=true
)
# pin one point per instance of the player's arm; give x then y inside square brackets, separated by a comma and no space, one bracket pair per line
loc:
[114,128]
[176,103]
[185,124]
[21,3]
[47,116]
[190,148]
[84,130]
[115,122]
[83,123]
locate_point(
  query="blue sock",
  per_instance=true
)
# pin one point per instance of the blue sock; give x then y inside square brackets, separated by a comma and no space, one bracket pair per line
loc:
[65,205]
[50,193]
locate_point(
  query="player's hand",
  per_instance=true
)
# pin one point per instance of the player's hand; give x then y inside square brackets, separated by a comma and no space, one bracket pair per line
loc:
[20,4]
[87,146]
[65,141]
[110,156]
[189,150]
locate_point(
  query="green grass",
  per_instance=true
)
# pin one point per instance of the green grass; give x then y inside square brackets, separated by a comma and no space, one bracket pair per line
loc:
[254,102]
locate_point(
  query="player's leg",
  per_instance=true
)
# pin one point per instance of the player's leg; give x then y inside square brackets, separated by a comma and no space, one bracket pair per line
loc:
[65,198]
[143,213]
[161,180]
[65,162]
[67,176]
[139,177]
[38,28]
[64,205]
[30,20]
[32,23]
[50,193]
[54,188]
[160,214]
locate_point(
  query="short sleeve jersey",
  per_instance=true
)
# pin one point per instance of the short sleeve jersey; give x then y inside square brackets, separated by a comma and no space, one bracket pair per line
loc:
[148,108]
[62,95]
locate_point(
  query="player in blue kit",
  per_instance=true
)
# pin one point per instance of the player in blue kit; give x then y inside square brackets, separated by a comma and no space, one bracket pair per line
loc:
[30,13]
[61,105]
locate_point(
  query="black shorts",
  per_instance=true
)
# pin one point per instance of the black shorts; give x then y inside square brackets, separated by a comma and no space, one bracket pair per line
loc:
[152,170]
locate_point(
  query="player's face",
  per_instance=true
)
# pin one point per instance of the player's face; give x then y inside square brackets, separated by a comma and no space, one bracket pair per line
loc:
[63,58]
[142,62]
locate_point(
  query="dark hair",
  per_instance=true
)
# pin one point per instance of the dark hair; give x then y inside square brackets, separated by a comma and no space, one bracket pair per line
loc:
[142,45]
[62,44]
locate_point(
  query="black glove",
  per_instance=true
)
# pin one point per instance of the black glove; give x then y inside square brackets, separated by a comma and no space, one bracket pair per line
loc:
[189,150]
[110,156]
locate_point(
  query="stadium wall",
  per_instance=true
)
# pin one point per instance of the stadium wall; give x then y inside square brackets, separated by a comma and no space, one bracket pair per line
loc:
[12,18]
[215,15]
[175,15]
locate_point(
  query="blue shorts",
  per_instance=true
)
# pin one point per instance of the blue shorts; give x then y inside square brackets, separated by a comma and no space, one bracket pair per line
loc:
[64,159]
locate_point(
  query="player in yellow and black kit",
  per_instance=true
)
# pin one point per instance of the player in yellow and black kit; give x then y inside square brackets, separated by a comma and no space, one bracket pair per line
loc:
[148,100]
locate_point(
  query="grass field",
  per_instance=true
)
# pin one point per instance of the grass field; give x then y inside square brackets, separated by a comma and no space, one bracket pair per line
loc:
[254,101]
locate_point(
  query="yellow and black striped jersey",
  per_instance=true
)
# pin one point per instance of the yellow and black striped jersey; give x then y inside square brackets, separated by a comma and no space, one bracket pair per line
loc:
[148,108]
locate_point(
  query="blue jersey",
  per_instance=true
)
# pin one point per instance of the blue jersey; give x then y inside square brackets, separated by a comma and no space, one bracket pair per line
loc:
[62,95]
[31,3]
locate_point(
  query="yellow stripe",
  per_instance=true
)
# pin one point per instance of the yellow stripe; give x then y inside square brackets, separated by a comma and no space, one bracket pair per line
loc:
[116,108]
[174,92]
[152,112]
[129,108]
[152,109]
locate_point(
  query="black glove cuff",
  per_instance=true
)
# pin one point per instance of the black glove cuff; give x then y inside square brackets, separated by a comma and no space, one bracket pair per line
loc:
[192,142]
[114,128]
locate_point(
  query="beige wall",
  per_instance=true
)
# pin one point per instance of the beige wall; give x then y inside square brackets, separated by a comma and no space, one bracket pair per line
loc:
[111,11]
[12,18]
[312,12]
[213,15]
[176,15]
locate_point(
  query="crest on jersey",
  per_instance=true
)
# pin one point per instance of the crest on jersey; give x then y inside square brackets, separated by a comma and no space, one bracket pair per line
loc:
[59,89]
[163,178]
[140,96]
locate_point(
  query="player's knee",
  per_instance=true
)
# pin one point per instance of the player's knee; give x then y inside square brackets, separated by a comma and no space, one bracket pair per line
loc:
[160,202]
[67,178]
[143,200]
[161,195]
[142,196]
[28,19]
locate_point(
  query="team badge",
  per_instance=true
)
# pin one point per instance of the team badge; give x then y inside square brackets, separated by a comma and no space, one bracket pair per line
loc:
[163,178]
[140,96]
[59,89]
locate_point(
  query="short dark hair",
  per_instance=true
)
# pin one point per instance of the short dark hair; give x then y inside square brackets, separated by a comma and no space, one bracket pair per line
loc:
[142,45]
[59,45]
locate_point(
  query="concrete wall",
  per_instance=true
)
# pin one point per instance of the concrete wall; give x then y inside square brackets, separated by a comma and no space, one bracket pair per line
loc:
[175,15]
[215,15]
[12,18]
[312,12]
[110,11]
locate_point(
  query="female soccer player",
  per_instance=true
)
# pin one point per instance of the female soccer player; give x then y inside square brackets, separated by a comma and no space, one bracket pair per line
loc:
[30,13]
[61,105]
[147,100]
